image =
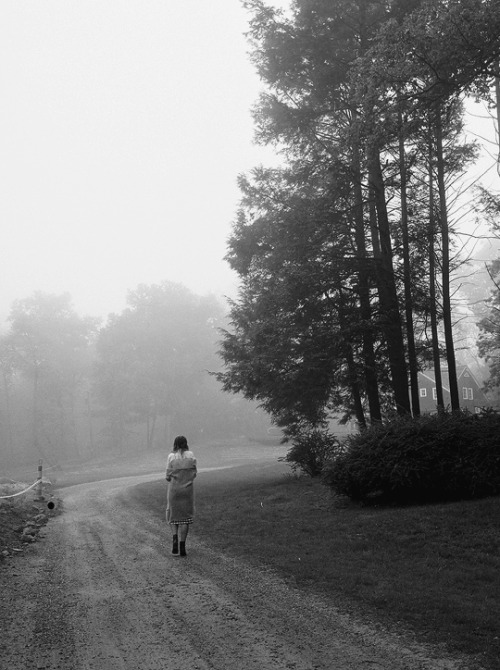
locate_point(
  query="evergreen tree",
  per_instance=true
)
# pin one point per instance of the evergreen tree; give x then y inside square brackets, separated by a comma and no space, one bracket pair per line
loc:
[364,100]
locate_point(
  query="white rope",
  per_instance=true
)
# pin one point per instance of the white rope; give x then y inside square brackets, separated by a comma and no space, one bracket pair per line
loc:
[19,493]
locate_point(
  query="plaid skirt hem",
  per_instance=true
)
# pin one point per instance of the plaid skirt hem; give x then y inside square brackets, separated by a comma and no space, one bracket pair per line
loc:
[180,521]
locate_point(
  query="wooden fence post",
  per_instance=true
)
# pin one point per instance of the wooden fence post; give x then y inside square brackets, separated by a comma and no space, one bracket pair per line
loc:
[39,482]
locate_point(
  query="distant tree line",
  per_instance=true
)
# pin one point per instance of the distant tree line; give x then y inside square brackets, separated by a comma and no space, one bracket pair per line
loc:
[72,387]
[346,252]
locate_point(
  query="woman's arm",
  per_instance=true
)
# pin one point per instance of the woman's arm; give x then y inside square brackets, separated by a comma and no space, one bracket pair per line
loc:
[167,474]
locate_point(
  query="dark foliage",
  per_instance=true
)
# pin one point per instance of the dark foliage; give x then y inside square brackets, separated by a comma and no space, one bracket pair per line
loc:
[429,459]
[311,451]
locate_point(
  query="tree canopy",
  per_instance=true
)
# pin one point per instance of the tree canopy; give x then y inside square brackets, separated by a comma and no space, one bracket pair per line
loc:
[345,253]
[153,358]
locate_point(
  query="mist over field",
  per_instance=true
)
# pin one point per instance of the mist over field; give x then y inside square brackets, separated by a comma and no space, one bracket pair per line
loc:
[126,128]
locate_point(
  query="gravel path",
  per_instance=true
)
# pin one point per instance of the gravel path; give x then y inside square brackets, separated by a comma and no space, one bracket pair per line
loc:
[102,591]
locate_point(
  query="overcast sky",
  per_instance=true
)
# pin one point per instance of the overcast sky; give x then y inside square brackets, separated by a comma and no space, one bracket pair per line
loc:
[124,125]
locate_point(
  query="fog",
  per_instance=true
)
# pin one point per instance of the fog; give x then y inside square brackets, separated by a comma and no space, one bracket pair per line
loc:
[123,129]
[124,126]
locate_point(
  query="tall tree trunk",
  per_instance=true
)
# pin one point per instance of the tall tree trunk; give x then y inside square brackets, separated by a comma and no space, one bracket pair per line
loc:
[118,426]
[410,334]
[62,447]
[169,438]
[355,392]
[353,375]
[8,415]
[436,355]
[389,306]
[89,422]
[150,430]
[74,419]
[445,273]
[497,106]
[36,443]
[369,359]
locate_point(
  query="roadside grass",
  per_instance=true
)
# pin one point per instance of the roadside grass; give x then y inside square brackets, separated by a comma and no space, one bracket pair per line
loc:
[433,569]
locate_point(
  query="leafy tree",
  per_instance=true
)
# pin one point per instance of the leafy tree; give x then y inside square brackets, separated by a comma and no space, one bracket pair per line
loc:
[309,107]
[152,361]
[48,346]
[8,373]
[293,323]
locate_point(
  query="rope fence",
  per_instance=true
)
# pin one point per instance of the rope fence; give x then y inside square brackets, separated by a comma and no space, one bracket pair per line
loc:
[38,483]
[19,493]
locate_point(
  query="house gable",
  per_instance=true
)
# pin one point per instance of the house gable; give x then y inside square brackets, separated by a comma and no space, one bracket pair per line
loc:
[471,395]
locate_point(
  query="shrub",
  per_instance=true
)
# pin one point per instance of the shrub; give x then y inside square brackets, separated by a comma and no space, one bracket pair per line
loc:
[310,451]
[432,458]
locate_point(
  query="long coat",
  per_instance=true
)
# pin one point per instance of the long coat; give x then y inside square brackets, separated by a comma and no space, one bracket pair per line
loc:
[181,471]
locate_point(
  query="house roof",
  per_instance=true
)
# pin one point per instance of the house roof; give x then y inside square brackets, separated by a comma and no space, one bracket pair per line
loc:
[461,370]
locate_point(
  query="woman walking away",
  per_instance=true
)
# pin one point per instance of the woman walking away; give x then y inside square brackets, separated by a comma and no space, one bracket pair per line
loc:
[181,471]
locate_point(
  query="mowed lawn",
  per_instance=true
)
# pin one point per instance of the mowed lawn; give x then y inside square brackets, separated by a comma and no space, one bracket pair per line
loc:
[434,569]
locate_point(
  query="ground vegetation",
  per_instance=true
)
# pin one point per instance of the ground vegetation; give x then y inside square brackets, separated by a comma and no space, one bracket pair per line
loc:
[447,456]
[419,581]
[431,569]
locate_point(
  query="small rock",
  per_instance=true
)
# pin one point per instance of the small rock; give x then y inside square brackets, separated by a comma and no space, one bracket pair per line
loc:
[28,538]
[30,530]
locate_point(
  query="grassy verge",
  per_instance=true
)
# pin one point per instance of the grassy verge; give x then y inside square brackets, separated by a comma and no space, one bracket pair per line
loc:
[433,568]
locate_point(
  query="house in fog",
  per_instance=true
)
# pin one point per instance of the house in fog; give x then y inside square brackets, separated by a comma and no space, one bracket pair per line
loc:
[469,389]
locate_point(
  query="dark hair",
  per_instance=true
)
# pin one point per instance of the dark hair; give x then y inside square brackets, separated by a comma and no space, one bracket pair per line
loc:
[180,443]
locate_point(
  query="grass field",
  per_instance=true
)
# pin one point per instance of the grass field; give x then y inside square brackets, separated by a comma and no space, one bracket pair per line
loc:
[433,569]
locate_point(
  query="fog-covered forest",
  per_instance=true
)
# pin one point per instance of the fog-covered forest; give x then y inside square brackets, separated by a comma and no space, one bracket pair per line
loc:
[73,387]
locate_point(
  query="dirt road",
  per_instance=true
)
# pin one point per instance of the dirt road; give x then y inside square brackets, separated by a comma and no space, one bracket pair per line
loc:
[102,591]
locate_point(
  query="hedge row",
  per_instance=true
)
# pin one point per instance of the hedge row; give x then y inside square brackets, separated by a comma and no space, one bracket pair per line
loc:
[432,458]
